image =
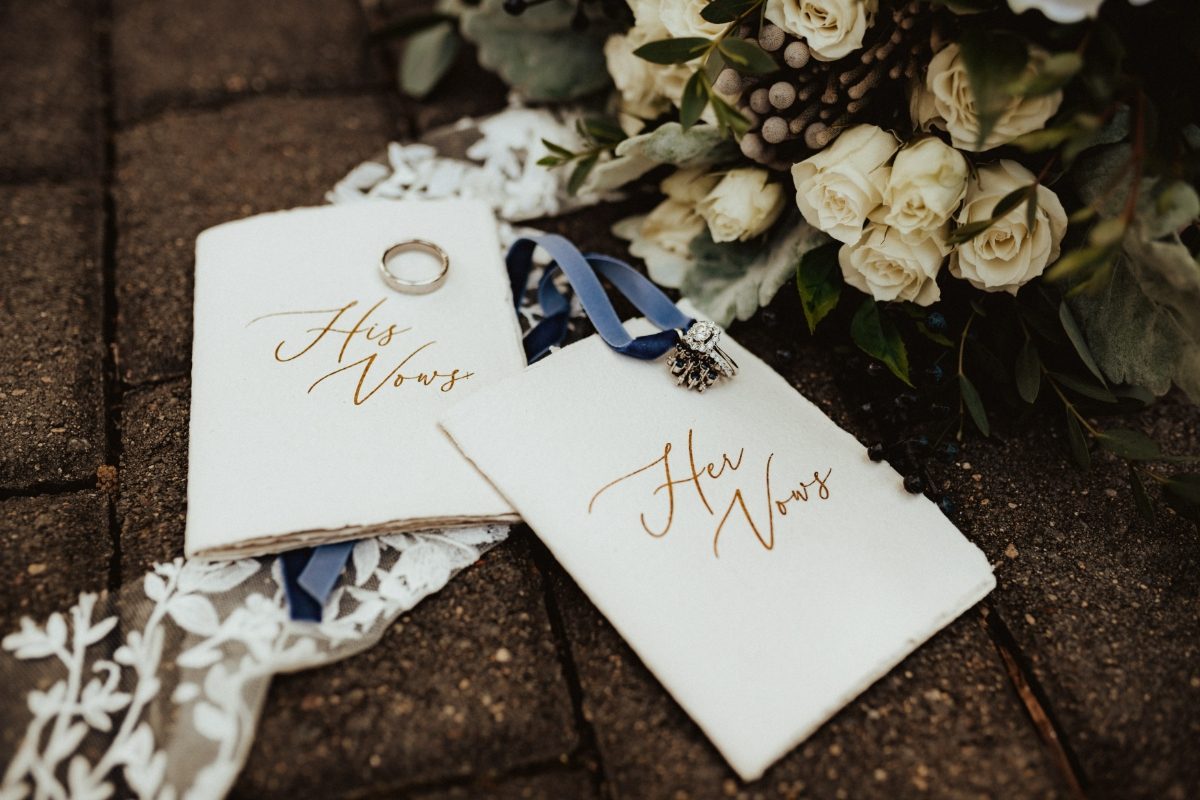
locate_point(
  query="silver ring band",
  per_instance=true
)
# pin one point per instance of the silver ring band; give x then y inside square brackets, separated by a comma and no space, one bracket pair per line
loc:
[407,285]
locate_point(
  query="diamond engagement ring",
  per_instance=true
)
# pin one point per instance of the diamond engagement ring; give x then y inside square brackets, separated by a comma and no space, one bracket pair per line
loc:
[697,361]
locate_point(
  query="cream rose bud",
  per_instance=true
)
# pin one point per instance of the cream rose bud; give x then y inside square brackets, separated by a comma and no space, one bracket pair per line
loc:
[663,240]
[689,185]
[1010,253]
[682,18]
[742,205]
[837,188]
[945,101]
[889,267]
[925,185]
[832,28]
[635,78]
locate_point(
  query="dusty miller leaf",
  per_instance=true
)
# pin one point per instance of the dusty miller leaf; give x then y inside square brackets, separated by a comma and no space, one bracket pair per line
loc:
[734,279]
[671,144]
[538,52]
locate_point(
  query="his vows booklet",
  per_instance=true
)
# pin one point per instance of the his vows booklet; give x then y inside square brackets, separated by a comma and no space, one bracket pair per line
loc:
[316,386]
[763,568]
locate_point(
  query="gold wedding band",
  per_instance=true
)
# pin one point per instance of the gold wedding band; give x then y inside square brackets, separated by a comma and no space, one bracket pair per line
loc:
[408,285]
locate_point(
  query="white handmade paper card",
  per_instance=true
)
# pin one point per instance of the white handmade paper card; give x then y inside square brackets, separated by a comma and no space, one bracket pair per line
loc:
[763,568]
[316,386]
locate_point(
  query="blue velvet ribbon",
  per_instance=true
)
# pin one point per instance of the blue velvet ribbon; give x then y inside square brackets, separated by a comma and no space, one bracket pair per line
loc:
[310,574]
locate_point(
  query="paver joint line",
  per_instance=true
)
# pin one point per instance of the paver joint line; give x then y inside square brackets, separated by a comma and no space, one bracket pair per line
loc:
[1033,699]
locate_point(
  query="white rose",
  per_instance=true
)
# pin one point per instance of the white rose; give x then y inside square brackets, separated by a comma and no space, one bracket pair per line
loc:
[1065,11]
[689,185]
[832,28]
[742,205]
[1009,253]
[888,267]
[682,18]
[926,183]
[839,186]
[663,240]
[945,101]
[638,80]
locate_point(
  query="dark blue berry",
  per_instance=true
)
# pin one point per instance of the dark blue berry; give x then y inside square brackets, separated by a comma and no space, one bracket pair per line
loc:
[936,373]
[949,451]
[946,505]
[935,321]
[875,451]
[914,484]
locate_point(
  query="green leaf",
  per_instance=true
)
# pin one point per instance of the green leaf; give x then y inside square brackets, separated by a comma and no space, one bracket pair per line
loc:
[1012,200]
[1077,443]
[994,61]
[1141,499]
[1132,445]
[965,233]
[974,404]
[580,173]
[674,51]
[1084,388]
[877,336]
[694,100]
[1182,491]
[1079,342]
[1050,75]
[747,57]
[934,336]
[820,283]
[427,57]
[557,149]
[728,10]
[602,130]
[728,117]
[1028,372]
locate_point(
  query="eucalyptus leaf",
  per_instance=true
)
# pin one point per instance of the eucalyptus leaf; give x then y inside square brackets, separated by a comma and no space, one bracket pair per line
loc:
[974,404]
[540,53]
[747,57]
[694,100]
[580,173]
[994,61]
[1084,388]
[1078,341]
[1141,499]
[819,281]
[734,279]
[674,51]
[1028,372]
[1077,443]
[1050,75]
[1132,445]
[877,336]
[428,55]
[1183,494]
[728,10]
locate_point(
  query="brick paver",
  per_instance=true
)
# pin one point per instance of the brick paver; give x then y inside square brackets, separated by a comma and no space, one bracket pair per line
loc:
[509,683]
[51,299]
[172,53]
[50,79]
[54,548]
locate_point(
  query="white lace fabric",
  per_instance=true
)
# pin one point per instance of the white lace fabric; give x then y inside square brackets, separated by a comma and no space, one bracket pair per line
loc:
[156,691]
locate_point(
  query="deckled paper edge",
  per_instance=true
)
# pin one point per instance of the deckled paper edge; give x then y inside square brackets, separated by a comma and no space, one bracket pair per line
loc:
[752,771]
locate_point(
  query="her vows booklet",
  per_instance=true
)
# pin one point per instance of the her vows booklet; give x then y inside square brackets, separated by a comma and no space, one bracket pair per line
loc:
[316,386]
[763,568]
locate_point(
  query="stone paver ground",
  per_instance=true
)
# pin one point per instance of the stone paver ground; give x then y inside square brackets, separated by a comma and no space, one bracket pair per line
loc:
[127,126]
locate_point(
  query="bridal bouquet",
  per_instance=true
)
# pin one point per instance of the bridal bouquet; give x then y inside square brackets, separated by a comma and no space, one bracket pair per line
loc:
[994,199]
